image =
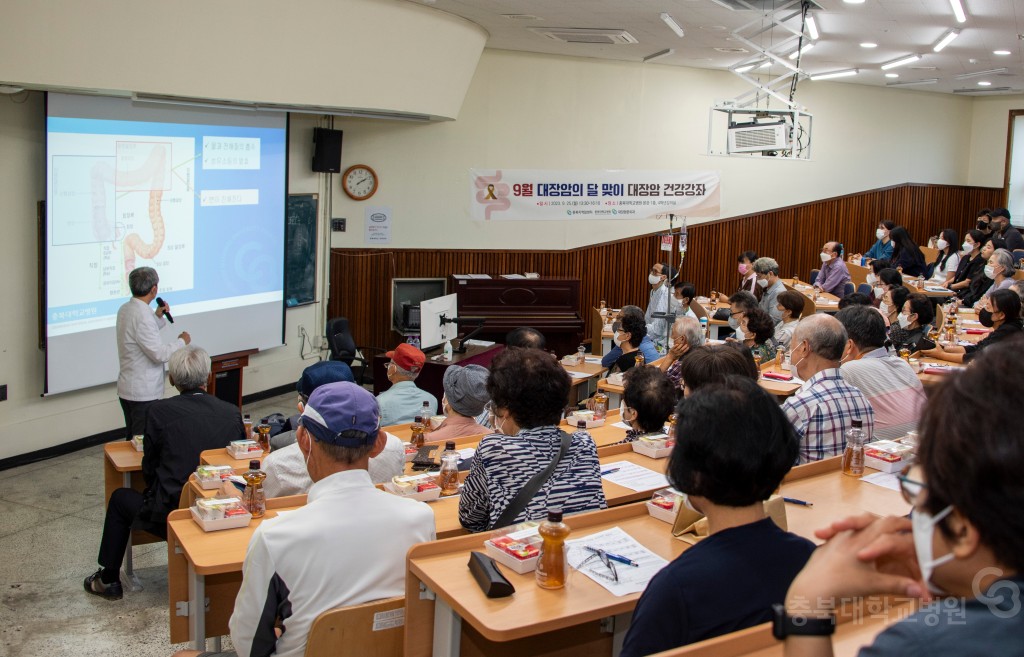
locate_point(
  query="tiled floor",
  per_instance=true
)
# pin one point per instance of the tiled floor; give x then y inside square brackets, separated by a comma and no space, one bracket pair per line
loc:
[52,518]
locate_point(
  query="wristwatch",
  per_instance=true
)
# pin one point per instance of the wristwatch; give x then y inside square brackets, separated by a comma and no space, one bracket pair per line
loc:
[784,625]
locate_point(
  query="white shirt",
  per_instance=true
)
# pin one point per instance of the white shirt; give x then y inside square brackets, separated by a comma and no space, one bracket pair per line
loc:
[141,353]
[661,301]
[287,474]
[347,546]
[939,275]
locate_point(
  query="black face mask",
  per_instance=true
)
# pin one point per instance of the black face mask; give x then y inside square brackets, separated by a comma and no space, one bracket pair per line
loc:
[982,225]
[985,317]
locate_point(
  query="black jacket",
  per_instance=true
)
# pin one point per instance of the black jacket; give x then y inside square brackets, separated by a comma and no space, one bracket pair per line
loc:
[1004,332]
[177,430]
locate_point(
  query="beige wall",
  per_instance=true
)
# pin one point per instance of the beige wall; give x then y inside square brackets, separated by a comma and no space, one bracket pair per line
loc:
[989,125]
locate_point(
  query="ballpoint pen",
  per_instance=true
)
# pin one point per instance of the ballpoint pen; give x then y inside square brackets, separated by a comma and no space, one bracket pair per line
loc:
[608,472]
[793,500]
[614,557]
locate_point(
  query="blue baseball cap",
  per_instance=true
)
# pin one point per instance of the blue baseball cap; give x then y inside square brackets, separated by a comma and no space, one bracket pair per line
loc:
[342,414]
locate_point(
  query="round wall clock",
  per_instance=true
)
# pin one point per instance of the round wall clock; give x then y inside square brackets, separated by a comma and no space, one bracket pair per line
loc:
[359,182]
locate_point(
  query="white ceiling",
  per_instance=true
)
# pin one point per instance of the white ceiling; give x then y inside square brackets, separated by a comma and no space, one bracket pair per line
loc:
[899,27]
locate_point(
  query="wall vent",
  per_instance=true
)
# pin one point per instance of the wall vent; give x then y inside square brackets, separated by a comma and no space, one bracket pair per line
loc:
[608,37]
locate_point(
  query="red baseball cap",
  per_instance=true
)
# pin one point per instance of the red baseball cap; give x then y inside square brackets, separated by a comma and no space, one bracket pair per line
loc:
[407,357]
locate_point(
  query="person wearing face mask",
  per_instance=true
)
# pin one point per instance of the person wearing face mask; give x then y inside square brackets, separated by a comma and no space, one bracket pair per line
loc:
[874,281]
[833,276]
[882,248]
[1000,271]
[623,339]
[981,285]
[403,401]
[739,304]
[528,390]
[892,304]
[661,301]
[888,382]
[767,272]
[824,408]
[626,332]
[1001,313]
[963,538]
[465,393]
[759,331]
[971,266]
[791,307]
[648,399]
[748,280]
[686,336]
[733,448]
[1002,226]
[683,293]
[945,265]
[913,322]
[907,256]
[984,223]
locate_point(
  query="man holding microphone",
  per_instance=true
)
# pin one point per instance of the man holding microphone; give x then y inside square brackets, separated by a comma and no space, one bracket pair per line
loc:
[140,351]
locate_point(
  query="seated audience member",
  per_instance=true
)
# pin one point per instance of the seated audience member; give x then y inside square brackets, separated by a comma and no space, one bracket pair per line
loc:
[177,430]
[465,393]
[914,321]
[733,447]
[648,399]
[759,331]
[748,279]
[686,336]
[984,223]
[855,299]
[971,266]
[980,286]
[873,279]
[403,401]
[892,303]
[525,337]
[790,307]
[1009,234]
[528,390]
[683,293]
[630,337]
[712,363]
[739,304]
[661,300]
[834,275]
[948,259]
[890,385]
[888,279]
[1018,287]
[1001,312]
[824,409]
[345,547]
[767,272]
[907,256]
[882,248]
[314,376]
[965,536]
[1000,270]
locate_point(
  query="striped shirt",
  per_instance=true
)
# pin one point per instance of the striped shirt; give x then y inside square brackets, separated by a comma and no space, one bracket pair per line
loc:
[504,464]
[822,411]
[891,387]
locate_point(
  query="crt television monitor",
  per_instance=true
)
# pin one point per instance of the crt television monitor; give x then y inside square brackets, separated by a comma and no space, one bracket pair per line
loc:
[432,331]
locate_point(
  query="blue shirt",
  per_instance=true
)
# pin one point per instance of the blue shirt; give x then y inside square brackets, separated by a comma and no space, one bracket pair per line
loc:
[880,251]
[402,402]
[646,347]
[725,583]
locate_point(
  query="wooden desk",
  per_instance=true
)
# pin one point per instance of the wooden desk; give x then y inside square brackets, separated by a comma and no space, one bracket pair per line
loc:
[122,468]
[220,456]
[826,303]
[858,274]
[780,389]
[583,387]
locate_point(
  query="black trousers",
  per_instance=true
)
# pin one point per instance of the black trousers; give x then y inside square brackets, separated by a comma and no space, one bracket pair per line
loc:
[134,417]
[122,511]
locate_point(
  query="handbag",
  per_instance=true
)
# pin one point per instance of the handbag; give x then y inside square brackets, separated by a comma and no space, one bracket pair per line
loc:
[526,493]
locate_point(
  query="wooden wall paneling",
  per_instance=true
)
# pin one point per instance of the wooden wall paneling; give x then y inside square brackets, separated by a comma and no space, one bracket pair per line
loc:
[617,271]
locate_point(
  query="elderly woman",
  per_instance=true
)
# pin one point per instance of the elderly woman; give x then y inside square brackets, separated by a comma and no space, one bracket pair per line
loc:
[791,306]
[630,331]
[892,304]
[528,389]
[648,399]
[1000,270]
[1001,312]
[980,285]
[759,333]
[914,321]
[465,393]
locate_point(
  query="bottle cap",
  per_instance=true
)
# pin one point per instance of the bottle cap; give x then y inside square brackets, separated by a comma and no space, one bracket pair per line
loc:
[254,464]
[246,416]
[555,515]
[582,424]
[450,445]
[857,424]
[419,418]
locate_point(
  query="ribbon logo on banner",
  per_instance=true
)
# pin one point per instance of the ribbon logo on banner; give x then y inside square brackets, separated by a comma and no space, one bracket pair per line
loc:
[496,197]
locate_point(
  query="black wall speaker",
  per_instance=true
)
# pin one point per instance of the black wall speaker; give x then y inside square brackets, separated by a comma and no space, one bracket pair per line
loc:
[326,150]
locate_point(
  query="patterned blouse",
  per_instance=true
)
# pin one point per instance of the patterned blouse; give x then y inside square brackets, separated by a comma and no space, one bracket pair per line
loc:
[504,464]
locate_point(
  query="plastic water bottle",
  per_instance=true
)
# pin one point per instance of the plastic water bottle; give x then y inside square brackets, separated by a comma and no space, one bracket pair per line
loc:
[853,457]
[581,355]
[704,326]
[254,498]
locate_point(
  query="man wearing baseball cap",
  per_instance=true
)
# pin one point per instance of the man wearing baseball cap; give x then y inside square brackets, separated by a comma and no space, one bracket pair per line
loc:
[403,401]
[465,393]
[346,546]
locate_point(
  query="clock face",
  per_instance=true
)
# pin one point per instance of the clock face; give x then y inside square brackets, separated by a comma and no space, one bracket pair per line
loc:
[359,182]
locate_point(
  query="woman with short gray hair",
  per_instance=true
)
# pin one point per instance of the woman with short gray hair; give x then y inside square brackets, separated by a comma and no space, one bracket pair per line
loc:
[1000,270]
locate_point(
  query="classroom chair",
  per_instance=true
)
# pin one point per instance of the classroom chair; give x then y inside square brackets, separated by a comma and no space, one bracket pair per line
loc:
[864,289]
[374,628]
[847,290]
[342,345]
[813,277]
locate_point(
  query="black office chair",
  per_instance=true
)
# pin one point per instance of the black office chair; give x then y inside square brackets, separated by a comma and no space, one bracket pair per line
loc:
[343,347]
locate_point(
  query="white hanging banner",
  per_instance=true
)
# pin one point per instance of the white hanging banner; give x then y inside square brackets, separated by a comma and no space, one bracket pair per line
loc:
[560,195]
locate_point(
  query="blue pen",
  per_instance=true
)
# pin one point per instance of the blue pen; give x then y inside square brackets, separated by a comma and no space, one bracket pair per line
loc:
[614,557]
[608,472]
[793,500]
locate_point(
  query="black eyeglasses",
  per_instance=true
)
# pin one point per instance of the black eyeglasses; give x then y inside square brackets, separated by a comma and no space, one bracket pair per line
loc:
[910,488]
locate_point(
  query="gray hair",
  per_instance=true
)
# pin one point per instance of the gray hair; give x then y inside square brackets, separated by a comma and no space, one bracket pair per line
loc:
[766,266]
[141,280]
[690,330]
[1005,260]
[1018,287]
[189,368]
[824,334]
[409,374]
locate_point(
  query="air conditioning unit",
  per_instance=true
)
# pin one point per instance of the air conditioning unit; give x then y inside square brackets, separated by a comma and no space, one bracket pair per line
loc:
[758,137]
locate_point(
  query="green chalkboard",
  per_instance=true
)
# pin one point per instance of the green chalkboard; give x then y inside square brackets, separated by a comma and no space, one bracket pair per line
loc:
[300,250]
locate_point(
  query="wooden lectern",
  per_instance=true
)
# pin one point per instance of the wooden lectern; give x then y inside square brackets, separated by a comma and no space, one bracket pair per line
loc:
[226,376]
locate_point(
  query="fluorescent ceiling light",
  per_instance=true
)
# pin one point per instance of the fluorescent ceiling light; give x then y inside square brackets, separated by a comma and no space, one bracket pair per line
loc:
[812,27]
[991,71]
[1000,52]
[797,53]
[892,75]
[854,2]
[744,69]
[958,11]
[836,74]
[909,83]
[901,62]
[658,55]
[672,24]
[767,64]
[984,83]
[946,39]
[869,44]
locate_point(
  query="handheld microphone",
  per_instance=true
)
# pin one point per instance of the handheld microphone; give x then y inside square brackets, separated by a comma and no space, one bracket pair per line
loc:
[167,314]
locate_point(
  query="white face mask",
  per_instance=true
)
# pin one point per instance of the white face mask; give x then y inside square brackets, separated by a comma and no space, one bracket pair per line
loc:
[923,525]
[763,282]
[883,307]
[653,279]
[740,335]
[871,280]
[941,245]
[617,340]
[968,247]
[795,364]
[825,257]
[903,320]
[880,233]
[990,271]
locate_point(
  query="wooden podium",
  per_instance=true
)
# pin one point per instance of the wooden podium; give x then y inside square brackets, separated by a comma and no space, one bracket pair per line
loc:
[226,376]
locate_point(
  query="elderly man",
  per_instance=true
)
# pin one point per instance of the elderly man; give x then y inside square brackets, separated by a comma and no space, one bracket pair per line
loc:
[177,430]
[346,546]
[525,337]
[140,352]
[686,336]
[889,383]
[314,376]
[825,407]
[767,272]
[834,275]
[661,301]
[403,401]
[465,393]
